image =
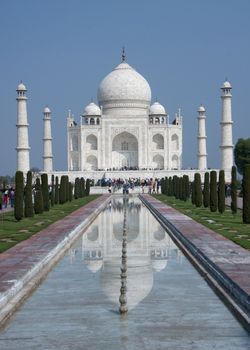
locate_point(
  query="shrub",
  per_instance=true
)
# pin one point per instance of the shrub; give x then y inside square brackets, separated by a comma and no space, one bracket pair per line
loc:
[62,190]
[246,194]
[186,189]
[206,192]
[45,192]
[192,193]
[19,186]
[70,189]
[28,205]
[221,192]
[82,187]
[38,205]
[234,190]
[213,191]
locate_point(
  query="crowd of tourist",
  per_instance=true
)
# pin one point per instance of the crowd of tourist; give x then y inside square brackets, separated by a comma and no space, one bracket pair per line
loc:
[8,198]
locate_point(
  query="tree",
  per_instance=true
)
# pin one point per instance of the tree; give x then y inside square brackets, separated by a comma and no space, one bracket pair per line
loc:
[19,186]
[246,194]
[206,193]
[192,193]
[87,189]
[213,191]
[62,190]
[52,193]
[234,190]
[45,191]
[28,205]
[82,187]
[56,191]
[38,205]
[77,188]
[186,194]
[242,154]
[197,189]
[221,192]
[70,188]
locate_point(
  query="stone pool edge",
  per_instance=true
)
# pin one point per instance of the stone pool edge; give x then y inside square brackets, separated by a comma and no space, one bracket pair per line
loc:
[232,294]
[13,297]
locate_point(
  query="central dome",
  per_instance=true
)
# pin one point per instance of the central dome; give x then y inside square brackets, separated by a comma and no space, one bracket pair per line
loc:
[124,88]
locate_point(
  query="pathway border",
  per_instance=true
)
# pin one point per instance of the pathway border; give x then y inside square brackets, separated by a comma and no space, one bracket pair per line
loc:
[23,266]
[225,265]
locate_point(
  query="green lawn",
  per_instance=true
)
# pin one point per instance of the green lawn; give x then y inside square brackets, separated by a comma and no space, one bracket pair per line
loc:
[226,224]
[13,232]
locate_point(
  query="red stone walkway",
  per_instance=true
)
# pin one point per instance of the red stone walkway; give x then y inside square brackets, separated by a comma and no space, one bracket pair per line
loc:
[228,260]
[18,262]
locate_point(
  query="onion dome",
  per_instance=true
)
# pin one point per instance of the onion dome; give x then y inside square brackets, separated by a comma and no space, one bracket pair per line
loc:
[92,110]
[157,109]
[46,110]
[201,109]
[226,85]
[159,264]
[21,87]
[124,87]
[94,265]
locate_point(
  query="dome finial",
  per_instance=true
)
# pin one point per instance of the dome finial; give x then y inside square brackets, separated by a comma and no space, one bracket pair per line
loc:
[123,54]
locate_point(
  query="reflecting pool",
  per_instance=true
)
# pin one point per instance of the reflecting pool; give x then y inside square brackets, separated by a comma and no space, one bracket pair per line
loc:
[170,305]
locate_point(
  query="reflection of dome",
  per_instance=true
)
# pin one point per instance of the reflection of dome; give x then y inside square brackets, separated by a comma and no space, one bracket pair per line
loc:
[93,234]
[124,87]
[94,265]
[159,264]
[91,110]
[132,231]
[159,235]
[139,280]
[157,109]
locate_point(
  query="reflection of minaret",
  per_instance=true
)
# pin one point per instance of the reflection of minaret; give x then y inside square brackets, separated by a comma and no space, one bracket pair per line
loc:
[202,149]
[47,142]
[23,160]
[226,128]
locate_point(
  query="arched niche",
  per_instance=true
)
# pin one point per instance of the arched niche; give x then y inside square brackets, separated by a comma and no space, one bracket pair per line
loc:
[158,162]
[175,162]
[91,163]
[158,141]
[175,142]
[75,163]
[91,141]
[124,151]
[74,143]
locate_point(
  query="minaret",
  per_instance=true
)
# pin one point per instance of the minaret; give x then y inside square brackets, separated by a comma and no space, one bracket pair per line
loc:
[226,128]
[47,142]
[202,147]
[23,149]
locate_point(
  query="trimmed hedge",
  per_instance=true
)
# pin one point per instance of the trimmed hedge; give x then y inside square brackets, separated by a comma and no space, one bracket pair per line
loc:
[197,190]
[206,192]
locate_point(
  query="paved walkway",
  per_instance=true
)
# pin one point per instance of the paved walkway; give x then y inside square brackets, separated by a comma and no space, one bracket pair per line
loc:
[228,260]
[19,261]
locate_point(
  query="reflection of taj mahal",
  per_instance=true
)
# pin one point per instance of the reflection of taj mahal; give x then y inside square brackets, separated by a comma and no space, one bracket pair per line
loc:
[124,131]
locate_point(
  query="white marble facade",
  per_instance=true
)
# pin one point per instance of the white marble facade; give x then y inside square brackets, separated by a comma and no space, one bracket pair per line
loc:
[124,131]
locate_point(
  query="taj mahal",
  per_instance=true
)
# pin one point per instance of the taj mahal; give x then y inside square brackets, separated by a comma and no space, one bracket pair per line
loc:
[125,134]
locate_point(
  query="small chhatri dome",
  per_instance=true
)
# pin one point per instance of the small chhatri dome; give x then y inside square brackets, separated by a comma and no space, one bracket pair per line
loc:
[21,87]
[124,87]
[92,109]
[157,109]
[226,85]
[46,110]
[201,109]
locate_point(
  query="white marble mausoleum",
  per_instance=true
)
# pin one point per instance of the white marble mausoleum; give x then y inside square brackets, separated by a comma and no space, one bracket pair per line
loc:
[124,130]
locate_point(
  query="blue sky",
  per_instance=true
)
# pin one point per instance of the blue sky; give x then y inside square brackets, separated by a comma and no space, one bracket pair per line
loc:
[63,49]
